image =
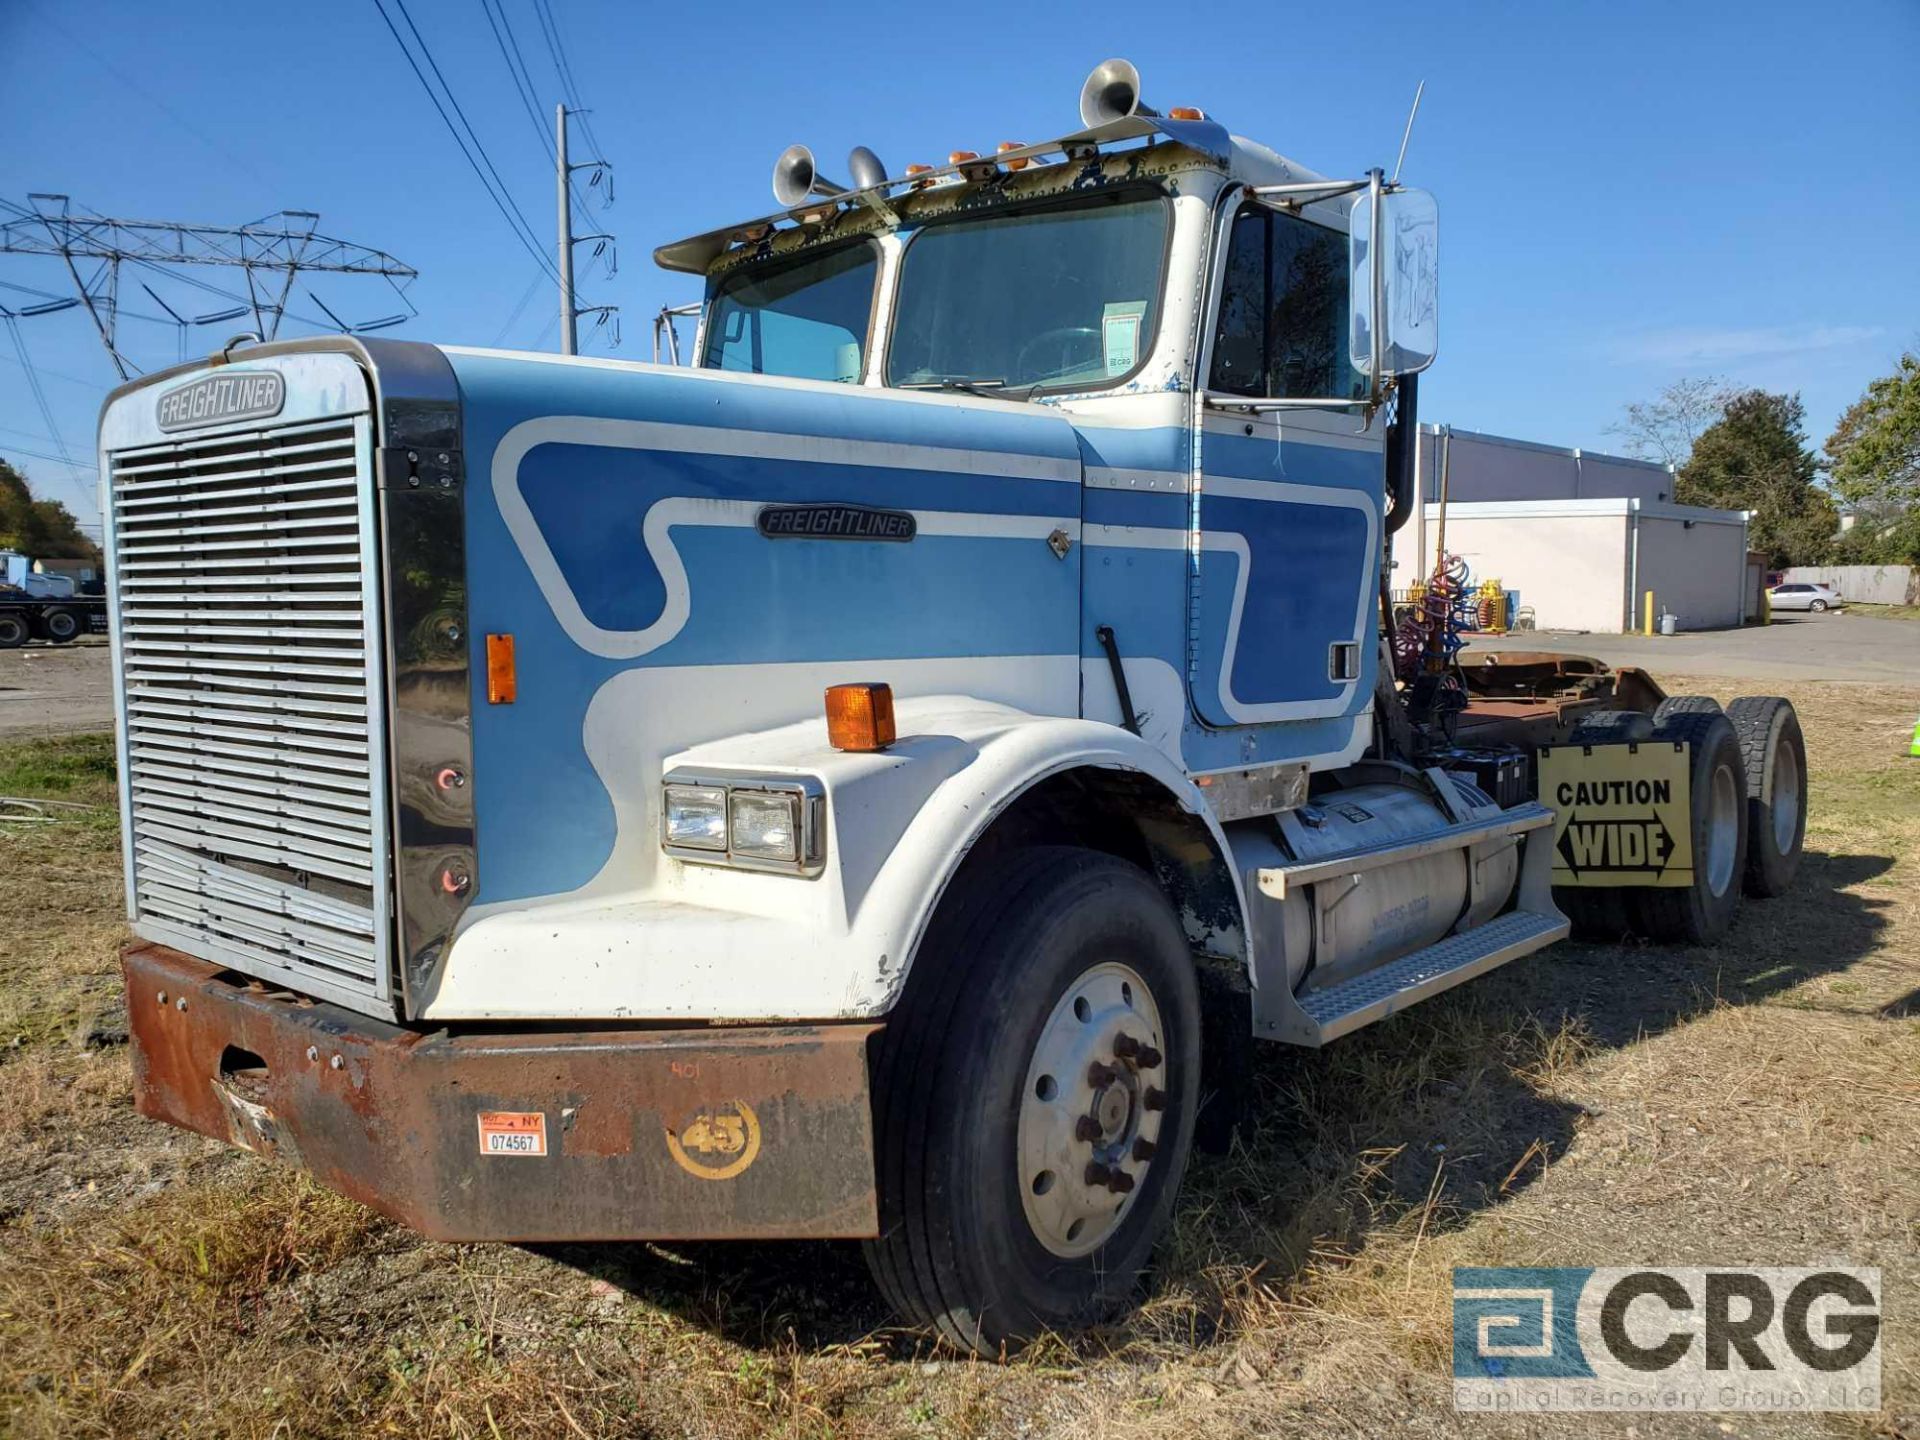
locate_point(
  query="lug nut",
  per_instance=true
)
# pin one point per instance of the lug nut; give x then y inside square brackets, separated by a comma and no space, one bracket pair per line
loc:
[1125,1046]
[1154,1099]
[1100,1076]
[1086,1128]
[1119,1182]
[1098,1174]
[1148,1058]
[1143,1149]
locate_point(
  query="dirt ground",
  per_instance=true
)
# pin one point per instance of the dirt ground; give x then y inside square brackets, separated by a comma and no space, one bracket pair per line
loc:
[1756,1101]
[56,689]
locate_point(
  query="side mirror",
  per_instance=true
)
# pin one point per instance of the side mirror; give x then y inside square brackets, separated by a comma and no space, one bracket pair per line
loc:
[1400,277]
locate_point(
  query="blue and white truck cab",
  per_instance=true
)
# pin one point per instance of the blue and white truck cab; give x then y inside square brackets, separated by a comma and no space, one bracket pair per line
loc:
[830,789]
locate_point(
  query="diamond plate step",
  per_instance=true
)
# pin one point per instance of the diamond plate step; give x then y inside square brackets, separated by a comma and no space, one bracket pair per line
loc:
[1377,994]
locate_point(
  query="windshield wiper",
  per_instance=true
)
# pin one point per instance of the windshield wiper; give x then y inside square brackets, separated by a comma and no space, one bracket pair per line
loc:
[990,389]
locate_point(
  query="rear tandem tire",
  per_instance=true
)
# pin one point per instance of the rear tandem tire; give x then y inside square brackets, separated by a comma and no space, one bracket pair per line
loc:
[965,1085]
[63,626]
[1776,760]
[1701,912]
[1685,705]
[13,629]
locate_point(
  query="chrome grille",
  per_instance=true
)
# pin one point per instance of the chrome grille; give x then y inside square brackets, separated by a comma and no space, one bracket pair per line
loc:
[245,595]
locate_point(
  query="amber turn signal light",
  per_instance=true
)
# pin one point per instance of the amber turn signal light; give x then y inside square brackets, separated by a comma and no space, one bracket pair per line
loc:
[1186,112]
[502,683]
[860,717]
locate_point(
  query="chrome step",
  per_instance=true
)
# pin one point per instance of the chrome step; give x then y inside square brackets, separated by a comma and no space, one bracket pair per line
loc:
[1345,1007]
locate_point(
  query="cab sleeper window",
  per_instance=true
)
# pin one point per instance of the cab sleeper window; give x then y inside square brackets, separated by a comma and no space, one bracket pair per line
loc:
[1283,312]
[805,317]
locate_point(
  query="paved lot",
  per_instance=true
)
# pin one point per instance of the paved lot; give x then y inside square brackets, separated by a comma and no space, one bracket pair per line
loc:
[1795,647]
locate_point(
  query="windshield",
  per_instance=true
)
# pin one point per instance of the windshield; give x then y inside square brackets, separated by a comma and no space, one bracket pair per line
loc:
[1061,298]
[805,317]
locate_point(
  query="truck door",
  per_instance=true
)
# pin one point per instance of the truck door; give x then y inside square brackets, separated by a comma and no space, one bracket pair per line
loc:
[1290,499]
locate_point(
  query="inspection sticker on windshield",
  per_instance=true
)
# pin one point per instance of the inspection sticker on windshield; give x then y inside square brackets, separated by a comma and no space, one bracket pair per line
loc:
[1620,813]
[513,1132]
[1120,334]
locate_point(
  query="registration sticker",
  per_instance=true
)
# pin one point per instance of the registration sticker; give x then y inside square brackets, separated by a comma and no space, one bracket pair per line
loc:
[513,1132]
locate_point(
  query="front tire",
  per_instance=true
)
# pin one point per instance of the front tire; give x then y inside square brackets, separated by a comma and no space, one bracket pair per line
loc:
[1035,1093]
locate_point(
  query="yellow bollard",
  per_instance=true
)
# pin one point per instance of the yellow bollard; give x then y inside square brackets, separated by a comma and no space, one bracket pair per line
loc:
[1914,749]
[1649,621]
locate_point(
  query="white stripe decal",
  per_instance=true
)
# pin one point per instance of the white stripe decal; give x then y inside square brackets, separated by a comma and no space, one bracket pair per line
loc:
[664,514]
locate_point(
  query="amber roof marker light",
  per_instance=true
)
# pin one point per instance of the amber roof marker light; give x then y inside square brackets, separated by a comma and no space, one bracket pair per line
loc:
[860,717]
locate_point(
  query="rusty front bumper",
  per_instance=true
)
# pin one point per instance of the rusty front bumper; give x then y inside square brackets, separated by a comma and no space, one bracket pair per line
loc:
[614,1134]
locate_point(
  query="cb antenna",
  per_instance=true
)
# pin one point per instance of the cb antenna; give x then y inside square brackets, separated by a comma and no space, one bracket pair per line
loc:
[1407,134]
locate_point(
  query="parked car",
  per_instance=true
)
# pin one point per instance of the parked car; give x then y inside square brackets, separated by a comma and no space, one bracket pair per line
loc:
[1804,595]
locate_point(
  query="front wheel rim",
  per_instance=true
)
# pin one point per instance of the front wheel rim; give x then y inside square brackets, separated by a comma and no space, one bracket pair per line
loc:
[1092,1110]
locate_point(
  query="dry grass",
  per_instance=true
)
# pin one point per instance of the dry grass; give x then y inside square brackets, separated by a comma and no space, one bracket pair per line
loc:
[1753,1101]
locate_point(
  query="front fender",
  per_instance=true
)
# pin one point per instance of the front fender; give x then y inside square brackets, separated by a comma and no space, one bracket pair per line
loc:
[701,941]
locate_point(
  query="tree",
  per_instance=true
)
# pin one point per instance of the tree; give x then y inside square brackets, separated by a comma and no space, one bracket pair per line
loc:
[39,529]
[1874,457]
[1666,428]
[1755,457]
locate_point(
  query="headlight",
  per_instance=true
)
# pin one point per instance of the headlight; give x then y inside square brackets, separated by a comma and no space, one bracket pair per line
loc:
[696,817]
[766,825]
[751,822]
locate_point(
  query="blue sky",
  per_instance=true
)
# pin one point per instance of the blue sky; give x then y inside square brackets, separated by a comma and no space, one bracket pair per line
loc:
[1629,192]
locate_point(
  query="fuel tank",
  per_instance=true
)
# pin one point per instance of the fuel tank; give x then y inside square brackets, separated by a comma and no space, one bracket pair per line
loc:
[1342,927]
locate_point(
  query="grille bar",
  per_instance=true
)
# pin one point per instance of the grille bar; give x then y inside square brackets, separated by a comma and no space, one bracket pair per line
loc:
[247,612]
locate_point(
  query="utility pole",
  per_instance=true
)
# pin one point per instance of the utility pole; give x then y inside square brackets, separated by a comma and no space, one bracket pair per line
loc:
[570,312]
[563,175]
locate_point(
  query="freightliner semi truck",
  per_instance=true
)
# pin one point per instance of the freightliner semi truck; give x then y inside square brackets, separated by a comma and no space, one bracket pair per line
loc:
[876,780]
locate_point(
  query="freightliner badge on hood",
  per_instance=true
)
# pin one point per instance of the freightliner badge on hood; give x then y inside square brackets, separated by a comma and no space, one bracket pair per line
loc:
[236,395]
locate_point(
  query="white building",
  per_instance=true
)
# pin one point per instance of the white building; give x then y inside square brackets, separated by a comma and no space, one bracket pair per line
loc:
[1576,537]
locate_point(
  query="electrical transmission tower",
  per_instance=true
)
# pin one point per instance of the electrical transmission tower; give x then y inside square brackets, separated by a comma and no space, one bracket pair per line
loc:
[271,253]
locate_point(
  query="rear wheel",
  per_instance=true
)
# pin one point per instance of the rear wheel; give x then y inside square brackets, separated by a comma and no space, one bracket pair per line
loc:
[1035,1098]
[1610,727]
[62,626]
[1775,754]
[13,629]
[1717,812]
[1685,705]
[1818,606]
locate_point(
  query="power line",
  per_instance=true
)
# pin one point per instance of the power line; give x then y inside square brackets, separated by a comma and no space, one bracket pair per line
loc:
[529,93]
[46,410]
[550,25]
[42,455]
[509,211]
[532,285]
[62,375]
[522,82]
